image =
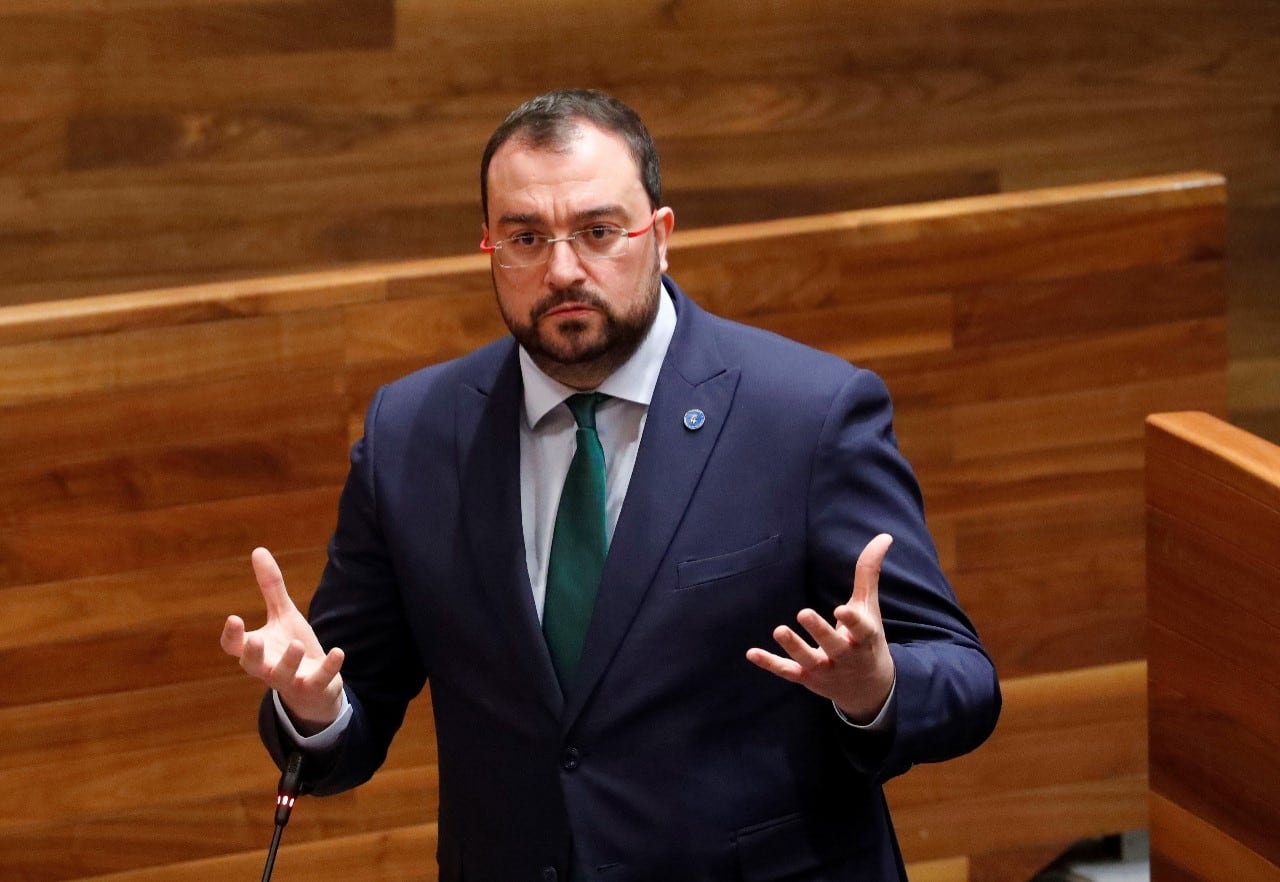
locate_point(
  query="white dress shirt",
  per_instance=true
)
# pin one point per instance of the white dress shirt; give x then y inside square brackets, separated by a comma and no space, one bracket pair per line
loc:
[548,433]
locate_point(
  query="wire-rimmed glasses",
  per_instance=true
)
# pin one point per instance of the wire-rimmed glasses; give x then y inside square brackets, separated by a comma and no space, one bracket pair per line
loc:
[599,241]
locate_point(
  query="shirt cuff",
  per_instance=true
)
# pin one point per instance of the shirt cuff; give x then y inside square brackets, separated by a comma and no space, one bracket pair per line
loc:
[322,740]
[881,722]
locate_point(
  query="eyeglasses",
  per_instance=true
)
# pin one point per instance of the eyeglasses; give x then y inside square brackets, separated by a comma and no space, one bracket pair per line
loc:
[600,241]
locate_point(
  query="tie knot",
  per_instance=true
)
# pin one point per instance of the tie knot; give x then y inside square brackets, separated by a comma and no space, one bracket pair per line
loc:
[583,405]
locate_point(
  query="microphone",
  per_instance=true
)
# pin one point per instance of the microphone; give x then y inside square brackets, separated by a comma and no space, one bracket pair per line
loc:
[290,784]
[286,796]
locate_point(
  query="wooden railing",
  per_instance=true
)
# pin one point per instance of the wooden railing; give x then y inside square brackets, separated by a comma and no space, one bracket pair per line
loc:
[151,440]
[1213,536]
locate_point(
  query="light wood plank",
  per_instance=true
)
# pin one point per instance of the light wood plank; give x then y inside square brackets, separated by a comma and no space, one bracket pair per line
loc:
[1213,497]
[1205,852]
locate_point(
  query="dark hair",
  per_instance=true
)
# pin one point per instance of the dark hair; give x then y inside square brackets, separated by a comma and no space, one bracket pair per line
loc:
[549,121]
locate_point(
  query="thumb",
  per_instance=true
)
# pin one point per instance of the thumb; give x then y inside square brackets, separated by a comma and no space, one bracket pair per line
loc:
[866,575]
[271,583]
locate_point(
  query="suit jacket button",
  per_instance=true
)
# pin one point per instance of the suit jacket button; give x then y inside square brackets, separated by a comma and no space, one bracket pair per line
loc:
[549,874]
[570,759]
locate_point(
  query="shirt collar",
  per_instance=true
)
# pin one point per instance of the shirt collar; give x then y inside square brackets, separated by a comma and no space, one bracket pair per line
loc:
[634,381]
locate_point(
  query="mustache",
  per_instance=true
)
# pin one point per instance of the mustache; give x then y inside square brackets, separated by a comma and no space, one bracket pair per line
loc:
[574,294]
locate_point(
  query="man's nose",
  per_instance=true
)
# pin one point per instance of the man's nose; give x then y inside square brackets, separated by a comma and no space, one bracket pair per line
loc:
[564,266]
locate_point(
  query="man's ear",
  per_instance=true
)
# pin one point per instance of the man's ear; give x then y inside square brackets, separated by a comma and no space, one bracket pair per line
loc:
[663,224]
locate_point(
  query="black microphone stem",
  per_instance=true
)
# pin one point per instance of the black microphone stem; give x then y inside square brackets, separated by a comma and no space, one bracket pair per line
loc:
[286,796]
[271,853]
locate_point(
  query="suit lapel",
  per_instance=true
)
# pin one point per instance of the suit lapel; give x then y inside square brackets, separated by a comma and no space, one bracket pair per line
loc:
[668,465]
[489,458]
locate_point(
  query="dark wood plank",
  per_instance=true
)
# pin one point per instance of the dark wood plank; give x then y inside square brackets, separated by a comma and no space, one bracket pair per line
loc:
[138,540]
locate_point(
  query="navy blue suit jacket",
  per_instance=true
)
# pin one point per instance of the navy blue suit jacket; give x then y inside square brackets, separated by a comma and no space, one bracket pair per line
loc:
[672,757]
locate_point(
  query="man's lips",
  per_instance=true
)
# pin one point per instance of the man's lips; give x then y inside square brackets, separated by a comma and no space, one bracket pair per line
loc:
[568,310]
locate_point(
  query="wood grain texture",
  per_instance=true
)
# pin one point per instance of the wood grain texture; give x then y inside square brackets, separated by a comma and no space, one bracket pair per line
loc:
[1195,851]
[1213,515]
[152,143]
[155,438]
[1068,760]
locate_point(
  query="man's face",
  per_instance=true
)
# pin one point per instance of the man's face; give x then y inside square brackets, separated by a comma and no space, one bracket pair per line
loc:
[578,318]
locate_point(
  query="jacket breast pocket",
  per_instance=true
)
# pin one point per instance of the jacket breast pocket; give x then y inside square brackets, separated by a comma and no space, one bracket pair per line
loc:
[692,573]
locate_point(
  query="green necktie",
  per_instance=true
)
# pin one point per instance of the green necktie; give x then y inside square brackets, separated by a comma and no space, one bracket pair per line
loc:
[578,545]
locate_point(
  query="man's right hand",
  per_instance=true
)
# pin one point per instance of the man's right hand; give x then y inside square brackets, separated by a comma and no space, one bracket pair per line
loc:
[285,654]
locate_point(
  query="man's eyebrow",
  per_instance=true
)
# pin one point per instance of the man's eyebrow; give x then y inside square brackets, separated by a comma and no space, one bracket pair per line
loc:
[521,218]
[599,212]
[533,219]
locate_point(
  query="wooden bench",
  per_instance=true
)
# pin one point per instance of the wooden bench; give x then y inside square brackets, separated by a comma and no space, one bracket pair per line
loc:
[1213,571]
[151,440]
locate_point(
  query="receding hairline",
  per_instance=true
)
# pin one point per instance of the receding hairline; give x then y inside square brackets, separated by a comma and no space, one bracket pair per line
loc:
[550,121]
[561,143]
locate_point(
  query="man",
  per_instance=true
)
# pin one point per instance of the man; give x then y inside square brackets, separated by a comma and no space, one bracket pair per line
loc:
[616,716]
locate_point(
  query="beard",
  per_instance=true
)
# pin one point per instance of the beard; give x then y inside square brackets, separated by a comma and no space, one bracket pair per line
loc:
[589,348]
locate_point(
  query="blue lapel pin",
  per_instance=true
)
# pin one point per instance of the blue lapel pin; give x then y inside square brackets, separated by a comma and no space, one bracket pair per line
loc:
[694,419]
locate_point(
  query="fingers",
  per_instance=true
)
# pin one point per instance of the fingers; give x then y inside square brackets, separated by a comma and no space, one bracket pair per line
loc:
[854,627]
[832,643]
[775,664]
[313,697]
[793,645]
[285,671]
[859,622]
[282,674]
[233,636]
[252,656]
[866,574]
[329,667]
[288,673]
[271,583]
[804,658]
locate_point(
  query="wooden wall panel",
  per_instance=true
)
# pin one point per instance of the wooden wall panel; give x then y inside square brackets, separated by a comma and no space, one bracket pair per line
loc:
[1068,760]
[155,438]
[149,143]
[1213,517]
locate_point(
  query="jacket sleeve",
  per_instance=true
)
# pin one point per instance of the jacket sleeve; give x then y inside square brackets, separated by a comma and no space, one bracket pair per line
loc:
[946,698]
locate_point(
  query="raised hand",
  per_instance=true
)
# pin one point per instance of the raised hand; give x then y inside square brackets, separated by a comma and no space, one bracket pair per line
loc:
[285,654]
[850,662]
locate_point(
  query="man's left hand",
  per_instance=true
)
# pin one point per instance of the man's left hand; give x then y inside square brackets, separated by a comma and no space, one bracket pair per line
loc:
[850,663]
